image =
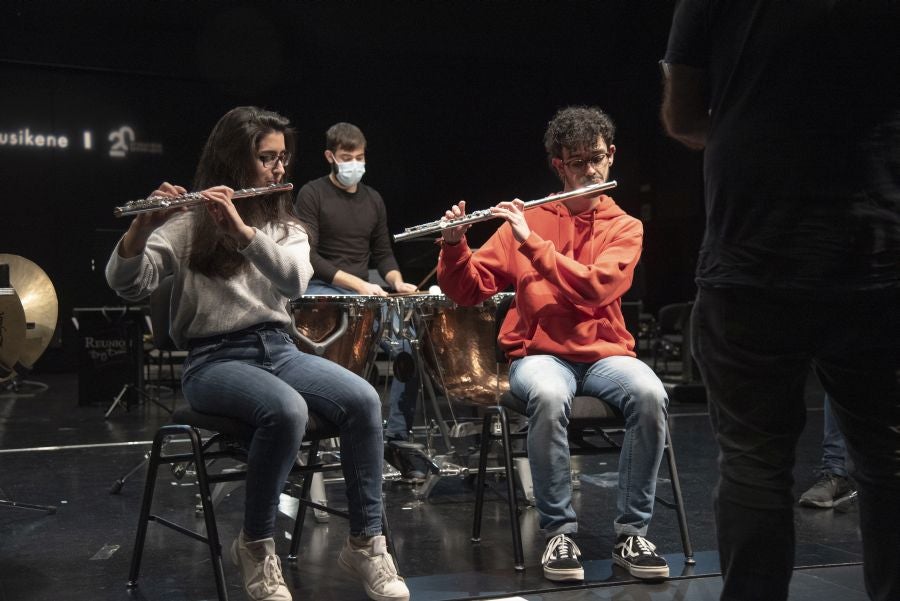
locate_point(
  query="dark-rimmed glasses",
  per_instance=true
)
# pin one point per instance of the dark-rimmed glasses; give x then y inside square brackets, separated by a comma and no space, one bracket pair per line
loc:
[270,159]
[595,161]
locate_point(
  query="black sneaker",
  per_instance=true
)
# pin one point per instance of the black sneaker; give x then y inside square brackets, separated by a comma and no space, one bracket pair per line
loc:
[399,458]
[638,555]
[562,559]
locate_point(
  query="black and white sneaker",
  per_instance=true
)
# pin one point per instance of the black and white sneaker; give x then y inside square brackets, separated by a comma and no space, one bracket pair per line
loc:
[562,559]
[638,555]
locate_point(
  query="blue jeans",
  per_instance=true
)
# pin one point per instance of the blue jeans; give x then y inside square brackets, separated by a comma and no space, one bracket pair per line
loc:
[260,377]
[403,395]
[834,450]
[548,384]
[754,349]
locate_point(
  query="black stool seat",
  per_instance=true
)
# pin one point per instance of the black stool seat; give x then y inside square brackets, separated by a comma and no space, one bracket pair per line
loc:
[317,428]
[226,426]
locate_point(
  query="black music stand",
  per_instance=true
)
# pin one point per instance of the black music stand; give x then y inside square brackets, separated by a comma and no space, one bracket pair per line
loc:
[141,393]
[111,356]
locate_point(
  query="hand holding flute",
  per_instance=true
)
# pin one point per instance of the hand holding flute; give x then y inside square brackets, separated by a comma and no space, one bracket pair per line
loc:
[143,224]
[156,209]
[455,219]
[452,235]
[512,212]
[218,203]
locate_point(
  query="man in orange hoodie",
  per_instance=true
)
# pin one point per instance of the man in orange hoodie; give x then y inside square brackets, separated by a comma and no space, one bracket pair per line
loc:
[570,262]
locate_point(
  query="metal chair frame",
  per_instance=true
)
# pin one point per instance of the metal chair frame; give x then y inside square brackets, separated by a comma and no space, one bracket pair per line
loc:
[227,441]
[670,329]
[603,420]
[604,427]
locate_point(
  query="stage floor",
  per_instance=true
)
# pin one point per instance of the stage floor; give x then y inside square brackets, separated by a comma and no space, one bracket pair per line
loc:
[55,452]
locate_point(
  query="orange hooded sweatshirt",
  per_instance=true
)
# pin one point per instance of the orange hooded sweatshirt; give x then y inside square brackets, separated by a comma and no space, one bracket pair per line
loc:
[569,277]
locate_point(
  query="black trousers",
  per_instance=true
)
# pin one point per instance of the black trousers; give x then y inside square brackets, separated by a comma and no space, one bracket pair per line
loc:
[754,349]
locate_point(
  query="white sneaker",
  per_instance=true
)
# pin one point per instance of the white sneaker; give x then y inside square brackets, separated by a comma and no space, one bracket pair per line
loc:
[260,569]
[374,566]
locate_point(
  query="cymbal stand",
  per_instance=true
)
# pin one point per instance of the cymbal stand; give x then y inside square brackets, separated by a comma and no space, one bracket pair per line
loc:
[13,388]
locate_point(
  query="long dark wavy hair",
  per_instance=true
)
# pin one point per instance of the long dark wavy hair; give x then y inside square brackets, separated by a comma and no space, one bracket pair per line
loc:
[229,158]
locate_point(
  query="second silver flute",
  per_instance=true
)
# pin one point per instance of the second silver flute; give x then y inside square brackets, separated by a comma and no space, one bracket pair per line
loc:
[158,203]
[483,215]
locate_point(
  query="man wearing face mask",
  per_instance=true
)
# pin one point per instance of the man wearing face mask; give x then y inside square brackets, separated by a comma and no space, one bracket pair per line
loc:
[347,222]
[347,225]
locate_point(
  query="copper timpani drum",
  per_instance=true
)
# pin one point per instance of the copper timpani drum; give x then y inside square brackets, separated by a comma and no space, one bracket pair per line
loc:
[344,329]
[460,349]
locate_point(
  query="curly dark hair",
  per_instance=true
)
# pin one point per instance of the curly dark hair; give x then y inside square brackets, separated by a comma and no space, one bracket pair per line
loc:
[229,158]
[576,127]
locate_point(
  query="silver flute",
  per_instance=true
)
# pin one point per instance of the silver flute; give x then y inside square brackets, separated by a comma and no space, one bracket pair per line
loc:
[158,203]
[485,214]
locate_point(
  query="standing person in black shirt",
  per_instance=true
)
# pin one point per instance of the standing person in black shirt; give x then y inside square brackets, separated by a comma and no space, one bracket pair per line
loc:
[798,107]
[347,225]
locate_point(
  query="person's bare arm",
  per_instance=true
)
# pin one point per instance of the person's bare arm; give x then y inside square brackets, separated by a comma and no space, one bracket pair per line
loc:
[685,110]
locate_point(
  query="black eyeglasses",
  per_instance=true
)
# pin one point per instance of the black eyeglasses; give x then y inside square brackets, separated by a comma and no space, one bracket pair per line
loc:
[580,164]
[269,159]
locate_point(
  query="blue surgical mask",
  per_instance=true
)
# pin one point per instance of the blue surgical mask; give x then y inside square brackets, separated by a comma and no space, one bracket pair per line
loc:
[349,173]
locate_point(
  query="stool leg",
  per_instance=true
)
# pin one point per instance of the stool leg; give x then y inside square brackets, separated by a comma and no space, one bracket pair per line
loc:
[512,500]
[144,519]
[311,458]
[389,539]
[679,501]
[480,477]
[172,376]
[212,532]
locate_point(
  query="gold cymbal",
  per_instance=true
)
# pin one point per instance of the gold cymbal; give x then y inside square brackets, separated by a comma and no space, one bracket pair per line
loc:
[12,332]
[39,301]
